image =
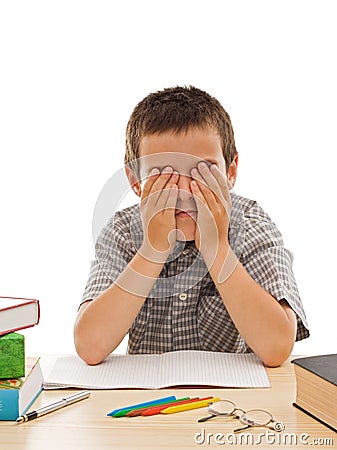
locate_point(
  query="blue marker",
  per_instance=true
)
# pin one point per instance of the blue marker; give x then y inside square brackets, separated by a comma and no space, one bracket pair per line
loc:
[143,405]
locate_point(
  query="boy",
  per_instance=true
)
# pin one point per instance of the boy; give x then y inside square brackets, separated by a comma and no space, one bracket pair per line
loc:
[194,266]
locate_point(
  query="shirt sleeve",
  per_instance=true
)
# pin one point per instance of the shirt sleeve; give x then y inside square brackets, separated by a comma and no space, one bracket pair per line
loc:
[270,263]
[112,254]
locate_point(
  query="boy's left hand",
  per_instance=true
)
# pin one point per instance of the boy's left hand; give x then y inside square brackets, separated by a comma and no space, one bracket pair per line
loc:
[211,194]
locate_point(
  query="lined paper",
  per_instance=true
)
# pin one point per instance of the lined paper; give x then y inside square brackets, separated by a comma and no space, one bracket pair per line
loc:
[186,367]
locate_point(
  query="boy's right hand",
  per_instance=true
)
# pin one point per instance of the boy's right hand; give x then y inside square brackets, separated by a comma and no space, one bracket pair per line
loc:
[157,208]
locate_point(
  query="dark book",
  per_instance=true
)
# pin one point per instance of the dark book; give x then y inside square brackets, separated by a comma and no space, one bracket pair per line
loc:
[316,387]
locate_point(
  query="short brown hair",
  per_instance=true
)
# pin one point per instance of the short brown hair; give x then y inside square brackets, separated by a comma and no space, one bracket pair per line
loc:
[178,109]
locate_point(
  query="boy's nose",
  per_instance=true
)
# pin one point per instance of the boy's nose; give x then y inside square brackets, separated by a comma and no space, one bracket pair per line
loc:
[184,188]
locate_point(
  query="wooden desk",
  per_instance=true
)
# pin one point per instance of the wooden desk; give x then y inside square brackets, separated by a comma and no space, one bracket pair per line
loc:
[85,425]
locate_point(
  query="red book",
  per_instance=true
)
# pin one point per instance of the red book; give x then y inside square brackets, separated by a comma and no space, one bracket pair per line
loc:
[18,313]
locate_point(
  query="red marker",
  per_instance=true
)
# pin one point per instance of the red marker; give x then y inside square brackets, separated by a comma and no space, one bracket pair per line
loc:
[137,411]
[156,409]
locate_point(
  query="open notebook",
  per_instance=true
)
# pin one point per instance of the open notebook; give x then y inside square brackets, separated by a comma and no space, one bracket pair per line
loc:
[191,367]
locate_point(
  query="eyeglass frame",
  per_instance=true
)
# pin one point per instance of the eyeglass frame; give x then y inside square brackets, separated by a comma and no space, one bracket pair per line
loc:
[215,413]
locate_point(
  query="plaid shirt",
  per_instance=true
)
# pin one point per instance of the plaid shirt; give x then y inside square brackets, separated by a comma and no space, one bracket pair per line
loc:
[184,309]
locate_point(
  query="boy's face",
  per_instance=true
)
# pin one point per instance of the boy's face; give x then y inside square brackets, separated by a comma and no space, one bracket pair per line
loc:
[182,152]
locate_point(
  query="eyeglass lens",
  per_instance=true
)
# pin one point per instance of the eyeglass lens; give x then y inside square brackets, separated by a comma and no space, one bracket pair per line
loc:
[255,418]
[220,408]
[251,418]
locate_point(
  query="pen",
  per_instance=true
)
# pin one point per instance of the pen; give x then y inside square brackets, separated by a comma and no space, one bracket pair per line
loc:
[53,406]
[188,406]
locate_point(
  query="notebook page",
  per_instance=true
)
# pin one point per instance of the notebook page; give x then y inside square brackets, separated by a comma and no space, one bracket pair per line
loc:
[213,368]
[157,371]
[117,371]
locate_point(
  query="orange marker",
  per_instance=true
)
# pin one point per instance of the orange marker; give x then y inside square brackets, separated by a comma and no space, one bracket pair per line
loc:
[157,409]
[188,406]
[137,411]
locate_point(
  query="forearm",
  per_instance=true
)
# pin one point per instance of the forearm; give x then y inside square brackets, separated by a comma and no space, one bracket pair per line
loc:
[102,323]
[268,327]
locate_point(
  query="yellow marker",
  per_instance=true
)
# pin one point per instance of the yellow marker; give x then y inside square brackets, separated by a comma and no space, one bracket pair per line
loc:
[188,406]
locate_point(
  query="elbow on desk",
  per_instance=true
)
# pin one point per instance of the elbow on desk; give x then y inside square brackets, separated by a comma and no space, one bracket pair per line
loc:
[276,357]
[89,358]
[274,352]
[88,355]
[90,345]
[88,349]
[273,362]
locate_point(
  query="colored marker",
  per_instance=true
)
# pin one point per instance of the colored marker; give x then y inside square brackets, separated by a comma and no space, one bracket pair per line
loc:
[125,411]
[158,401]
[188,406]
[157,409]
[139,411]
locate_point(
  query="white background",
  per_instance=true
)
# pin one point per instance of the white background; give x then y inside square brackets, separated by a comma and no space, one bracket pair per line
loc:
[71,73]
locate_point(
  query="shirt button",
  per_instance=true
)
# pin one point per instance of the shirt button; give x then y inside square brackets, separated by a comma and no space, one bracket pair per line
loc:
[186,251]
[183,296]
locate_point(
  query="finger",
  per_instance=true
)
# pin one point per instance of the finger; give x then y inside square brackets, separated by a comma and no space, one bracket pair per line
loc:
[195,174]
[198,195]
[222,181]
[224,198]
[149,182]
[161,198]
[204,193]
[157,184]
[203,208]
[163,179]
[210,181]
[171,201]
[162,194]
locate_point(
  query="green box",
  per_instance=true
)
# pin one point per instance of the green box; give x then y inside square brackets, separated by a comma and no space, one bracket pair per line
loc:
[12,355]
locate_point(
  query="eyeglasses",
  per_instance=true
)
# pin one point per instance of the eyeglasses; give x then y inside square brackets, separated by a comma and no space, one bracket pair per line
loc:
[251,418]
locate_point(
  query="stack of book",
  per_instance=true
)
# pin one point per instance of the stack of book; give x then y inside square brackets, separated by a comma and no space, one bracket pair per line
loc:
[20,378]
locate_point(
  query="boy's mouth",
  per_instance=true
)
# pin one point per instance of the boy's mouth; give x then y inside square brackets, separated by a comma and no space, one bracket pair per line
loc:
[186,214]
